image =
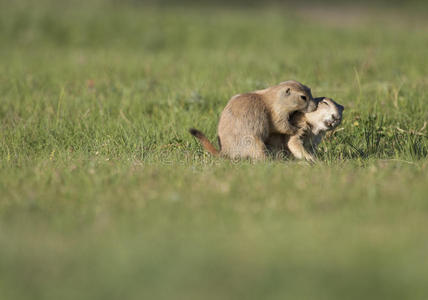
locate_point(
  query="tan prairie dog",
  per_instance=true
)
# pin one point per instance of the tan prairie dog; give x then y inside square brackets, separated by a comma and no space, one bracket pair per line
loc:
[312,128]
[249,119]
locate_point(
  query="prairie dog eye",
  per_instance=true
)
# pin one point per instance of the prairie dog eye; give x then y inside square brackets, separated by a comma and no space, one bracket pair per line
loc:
[303,97]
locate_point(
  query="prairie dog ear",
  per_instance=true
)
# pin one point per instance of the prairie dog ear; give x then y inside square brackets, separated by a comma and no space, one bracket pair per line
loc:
[284,93]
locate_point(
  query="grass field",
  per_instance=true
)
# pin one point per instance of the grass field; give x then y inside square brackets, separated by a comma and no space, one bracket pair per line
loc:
[104,194]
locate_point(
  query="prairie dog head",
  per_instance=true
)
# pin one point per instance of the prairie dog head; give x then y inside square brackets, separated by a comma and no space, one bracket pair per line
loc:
[327,116]
[295,96]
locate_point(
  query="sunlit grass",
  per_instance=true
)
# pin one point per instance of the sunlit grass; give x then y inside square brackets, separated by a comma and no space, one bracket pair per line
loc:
[104,194]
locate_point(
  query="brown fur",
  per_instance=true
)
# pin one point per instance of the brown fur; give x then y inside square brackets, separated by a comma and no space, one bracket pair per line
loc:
[249,119]
[204,141]
[312,127]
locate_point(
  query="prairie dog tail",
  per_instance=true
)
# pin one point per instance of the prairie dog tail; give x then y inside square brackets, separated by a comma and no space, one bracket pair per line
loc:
[204,141]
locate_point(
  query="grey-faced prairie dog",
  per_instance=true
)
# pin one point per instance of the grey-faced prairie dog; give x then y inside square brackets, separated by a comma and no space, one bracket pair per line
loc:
[249,119]
[312,128]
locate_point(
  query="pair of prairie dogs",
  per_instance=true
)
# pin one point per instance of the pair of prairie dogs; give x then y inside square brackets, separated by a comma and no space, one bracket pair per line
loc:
[278,119]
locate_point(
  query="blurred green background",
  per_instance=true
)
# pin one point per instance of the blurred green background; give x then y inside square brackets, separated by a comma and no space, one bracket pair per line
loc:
[105,195]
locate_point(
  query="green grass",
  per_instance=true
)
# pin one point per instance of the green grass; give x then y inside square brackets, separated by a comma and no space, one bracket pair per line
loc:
[104,194]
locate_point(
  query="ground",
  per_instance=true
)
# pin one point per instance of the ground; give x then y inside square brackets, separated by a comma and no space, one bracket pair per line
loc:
[105,195]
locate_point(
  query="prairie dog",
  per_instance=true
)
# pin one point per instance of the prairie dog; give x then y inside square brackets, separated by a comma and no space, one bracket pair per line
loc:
[249,119]
[312,128]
